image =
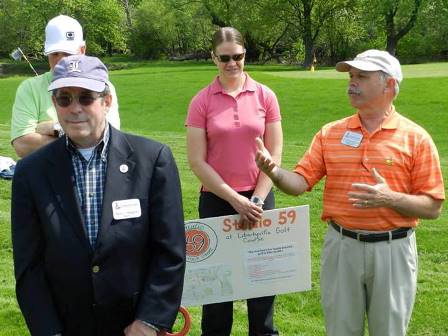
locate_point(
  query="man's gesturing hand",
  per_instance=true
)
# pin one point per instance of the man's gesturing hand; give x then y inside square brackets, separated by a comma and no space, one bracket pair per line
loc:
[264,160]
[372,196]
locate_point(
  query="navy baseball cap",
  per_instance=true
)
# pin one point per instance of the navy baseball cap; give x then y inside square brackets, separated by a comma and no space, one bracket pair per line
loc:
[80,71]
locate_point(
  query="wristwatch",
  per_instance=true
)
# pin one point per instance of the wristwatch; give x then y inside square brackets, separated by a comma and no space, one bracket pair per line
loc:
[257,200]
[57,129]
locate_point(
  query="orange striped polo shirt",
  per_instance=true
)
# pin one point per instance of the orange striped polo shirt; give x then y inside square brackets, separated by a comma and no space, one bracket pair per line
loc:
[400,150]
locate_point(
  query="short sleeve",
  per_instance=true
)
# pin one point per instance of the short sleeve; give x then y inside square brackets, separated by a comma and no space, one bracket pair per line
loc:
[25,112]
[32,105]
[197,112]
[426,173]
[312,164]
[272,106]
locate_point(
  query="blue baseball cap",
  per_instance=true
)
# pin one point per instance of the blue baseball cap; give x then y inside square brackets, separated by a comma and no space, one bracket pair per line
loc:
[80,71]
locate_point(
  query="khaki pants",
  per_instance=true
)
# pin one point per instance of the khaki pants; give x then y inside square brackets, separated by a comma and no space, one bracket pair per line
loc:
[358,278]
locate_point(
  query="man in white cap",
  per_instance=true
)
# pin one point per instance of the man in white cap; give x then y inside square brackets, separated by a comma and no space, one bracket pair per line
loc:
[382,174]
[97,221]
[34,122]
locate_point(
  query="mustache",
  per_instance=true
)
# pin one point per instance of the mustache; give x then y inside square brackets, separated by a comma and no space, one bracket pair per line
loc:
[353,90]
[74,120]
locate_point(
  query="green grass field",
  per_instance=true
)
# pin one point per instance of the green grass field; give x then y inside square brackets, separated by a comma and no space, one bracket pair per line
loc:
[153,102]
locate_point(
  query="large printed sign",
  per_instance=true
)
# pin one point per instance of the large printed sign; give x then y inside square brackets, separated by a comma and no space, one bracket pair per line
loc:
[227,262]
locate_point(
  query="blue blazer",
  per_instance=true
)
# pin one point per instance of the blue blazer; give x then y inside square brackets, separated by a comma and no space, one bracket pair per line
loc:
[136,269]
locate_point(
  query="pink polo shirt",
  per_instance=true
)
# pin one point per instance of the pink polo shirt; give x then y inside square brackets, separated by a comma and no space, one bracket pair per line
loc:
[232,124]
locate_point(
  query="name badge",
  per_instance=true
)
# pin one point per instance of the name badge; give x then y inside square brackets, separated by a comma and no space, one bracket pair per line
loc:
[124,209]
[352,139]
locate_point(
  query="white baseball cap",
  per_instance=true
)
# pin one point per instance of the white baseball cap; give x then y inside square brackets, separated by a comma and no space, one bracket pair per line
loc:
[63,34]
[374,60]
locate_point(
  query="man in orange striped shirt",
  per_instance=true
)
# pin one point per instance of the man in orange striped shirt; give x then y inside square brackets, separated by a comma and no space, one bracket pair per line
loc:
[382,174]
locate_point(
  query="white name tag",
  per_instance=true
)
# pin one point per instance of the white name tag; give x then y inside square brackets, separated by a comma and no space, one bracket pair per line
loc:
[352,139]
[124,209]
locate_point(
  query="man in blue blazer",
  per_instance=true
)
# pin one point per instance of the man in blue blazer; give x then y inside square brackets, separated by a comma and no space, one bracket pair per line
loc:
[97,221]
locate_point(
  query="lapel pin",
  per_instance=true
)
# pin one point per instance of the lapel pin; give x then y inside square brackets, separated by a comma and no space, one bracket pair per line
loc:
[124,168]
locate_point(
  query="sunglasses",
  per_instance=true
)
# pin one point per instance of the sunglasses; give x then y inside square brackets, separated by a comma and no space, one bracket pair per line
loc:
[226,58]
[85,99]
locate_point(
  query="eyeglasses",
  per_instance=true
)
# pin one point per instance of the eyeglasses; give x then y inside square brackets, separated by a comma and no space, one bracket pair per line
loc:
[85,99]
[226,58]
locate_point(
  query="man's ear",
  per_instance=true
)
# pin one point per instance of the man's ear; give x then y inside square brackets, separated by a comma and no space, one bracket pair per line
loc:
[108,101]
[390,85]
[82,50]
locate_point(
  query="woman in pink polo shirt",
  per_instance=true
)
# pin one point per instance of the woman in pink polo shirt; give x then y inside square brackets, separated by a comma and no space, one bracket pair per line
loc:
[223,121]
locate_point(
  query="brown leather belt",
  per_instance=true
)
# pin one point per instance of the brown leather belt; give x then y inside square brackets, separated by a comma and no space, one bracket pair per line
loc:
[372,237]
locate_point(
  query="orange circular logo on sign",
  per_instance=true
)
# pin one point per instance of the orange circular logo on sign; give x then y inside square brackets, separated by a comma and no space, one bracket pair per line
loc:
[201,241]
[197,242]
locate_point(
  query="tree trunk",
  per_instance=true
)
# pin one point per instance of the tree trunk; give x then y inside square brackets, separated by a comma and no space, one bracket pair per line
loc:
[391,45]
[391,41]
[307,34]
[128,14]
[395,34]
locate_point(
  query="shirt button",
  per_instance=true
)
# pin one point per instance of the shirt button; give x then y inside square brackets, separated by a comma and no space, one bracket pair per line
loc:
[95,269]
[91,194]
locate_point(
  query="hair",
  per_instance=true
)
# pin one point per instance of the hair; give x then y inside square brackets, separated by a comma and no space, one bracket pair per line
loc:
[106,91]
[384,76]
[227,34]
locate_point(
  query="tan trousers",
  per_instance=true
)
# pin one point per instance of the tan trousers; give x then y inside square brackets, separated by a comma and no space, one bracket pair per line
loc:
[378,279]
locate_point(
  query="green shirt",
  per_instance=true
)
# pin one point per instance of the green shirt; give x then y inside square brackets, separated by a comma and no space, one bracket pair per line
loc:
[33,105]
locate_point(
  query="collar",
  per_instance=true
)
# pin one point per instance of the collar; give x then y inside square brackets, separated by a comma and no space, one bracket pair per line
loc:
[391,121]
[100,147]
[249,85]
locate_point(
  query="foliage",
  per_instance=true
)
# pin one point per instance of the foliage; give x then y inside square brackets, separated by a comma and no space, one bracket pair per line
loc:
[394,18]
[309,17]
[149,38]
[24,24]
[285,31]
[428,41]
[341,36]
[170,28]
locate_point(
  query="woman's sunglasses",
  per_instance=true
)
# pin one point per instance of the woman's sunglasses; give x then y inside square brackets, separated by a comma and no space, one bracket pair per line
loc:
[226,58]
[85,99]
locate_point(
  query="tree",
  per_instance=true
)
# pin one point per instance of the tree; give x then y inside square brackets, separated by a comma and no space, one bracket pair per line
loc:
[270,37]
[394,30]
[427,41]
[9,26]
[266,36]
[341,37]
[393,18]
[24,23]
[309,17]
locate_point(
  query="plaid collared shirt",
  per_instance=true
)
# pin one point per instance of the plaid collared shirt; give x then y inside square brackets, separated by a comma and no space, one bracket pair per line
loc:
[90,177]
